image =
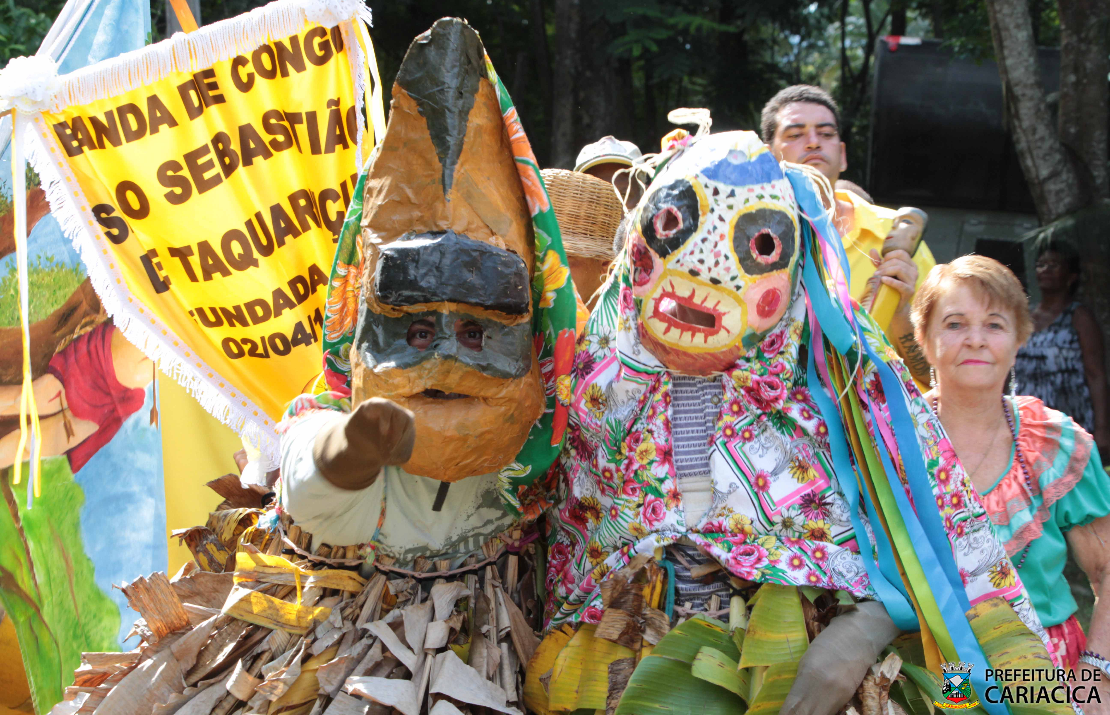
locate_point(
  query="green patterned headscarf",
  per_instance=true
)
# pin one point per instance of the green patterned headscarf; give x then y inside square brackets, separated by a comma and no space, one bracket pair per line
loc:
[553,316]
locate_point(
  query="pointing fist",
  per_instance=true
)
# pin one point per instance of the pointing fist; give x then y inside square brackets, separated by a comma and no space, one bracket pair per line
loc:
[350,452]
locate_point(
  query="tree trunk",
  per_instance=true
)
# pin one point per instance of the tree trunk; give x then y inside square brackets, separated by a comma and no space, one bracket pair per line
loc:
[845,75]
[1051,178]
[936,18]
[856,86]
[627,100]
[1084,99]
[539,47]
[735,103]
[651,118]
[564,107]
[599,85]
[520,74]
[898,17]
[172,25]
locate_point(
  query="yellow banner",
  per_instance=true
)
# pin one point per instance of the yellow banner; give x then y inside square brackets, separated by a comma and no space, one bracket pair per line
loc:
[204,181]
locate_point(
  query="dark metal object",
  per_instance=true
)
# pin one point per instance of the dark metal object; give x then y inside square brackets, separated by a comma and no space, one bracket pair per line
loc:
[938,133]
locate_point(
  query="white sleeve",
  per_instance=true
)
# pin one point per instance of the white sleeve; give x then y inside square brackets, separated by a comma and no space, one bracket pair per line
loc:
[332,515]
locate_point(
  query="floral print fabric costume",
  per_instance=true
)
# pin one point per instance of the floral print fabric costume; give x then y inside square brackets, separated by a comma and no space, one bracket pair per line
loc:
[778,513]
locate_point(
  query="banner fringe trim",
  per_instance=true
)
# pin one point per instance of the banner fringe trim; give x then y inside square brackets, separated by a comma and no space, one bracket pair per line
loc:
[187,53]
[355,56]
[210,44]
[133,328]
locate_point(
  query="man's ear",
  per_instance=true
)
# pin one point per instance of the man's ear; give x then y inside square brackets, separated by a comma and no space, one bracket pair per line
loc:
[843,157]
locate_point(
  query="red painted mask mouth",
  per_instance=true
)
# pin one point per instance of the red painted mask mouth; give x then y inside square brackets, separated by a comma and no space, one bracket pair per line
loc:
[687,314]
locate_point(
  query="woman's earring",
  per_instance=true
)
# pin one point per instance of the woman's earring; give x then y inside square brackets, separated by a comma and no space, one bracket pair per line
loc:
[1013,382]
[932,378]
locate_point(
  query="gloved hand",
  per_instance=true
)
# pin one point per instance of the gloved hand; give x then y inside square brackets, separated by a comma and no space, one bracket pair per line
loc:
[350,452]
[838,659]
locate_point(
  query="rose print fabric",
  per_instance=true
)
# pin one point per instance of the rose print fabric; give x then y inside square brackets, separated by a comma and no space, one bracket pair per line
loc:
[778,513]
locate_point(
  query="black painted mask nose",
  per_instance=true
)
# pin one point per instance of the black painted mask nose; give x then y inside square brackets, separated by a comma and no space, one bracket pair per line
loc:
[441,72]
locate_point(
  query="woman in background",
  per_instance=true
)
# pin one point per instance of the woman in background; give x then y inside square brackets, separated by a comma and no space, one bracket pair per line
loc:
[1037,472]
[1062,363]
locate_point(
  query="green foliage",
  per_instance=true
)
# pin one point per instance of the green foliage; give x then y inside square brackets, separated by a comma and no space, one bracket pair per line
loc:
[965,27]
[700,667]
[22,27]
[776,630]
[32,180]
[50,284]
[777,681]
[1012,648]
[665,682]
[713,666]
[49,592]
[728,55]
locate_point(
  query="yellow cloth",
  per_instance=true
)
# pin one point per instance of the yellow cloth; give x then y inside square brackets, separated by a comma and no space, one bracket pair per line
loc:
[205,205]
[870,227]
[581,313]
[196,449]
[15,694]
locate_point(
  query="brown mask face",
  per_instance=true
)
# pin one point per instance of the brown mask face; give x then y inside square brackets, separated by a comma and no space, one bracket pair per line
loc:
[446,327]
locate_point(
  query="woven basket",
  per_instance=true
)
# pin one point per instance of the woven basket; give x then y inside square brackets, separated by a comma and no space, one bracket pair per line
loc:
[588,211]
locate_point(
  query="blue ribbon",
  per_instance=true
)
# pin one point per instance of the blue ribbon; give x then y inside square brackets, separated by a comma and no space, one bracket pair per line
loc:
[892,594]
[925,527]
[832,321]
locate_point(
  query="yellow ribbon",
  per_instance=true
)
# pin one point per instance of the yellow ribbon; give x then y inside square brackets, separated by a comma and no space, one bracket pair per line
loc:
[28,410]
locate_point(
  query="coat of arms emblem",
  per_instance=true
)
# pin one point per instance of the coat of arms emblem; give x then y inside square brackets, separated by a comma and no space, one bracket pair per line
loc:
[956,688]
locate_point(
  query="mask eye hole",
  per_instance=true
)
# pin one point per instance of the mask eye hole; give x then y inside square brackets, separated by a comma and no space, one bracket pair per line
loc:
[766,247]
[667,222]
[421,334]
[764,240]
[469,334]
[642,264]
[669,217]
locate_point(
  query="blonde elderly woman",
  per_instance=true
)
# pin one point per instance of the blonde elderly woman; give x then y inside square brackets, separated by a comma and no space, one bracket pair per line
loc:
[1037,472]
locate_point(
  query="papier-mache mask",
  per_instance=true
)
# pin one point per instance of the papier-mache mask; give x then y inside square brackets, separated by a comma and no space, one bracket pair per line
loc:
[453,265]
[714,252]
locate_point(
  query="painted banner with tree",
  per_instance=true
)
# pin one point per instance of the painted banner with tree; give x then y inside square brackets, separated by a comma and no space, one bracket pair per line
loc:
[97,513]
[203,182]
[64,552]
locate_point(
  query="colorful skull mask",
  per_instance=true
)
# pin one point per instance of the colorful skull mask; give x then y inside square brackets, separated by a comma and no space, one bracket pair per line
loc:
[713,249]
[445,323]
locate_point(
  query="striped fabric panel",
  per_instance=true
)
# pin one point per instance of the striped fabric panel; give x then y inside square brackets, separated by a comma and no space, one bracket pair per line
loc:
[695,406]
